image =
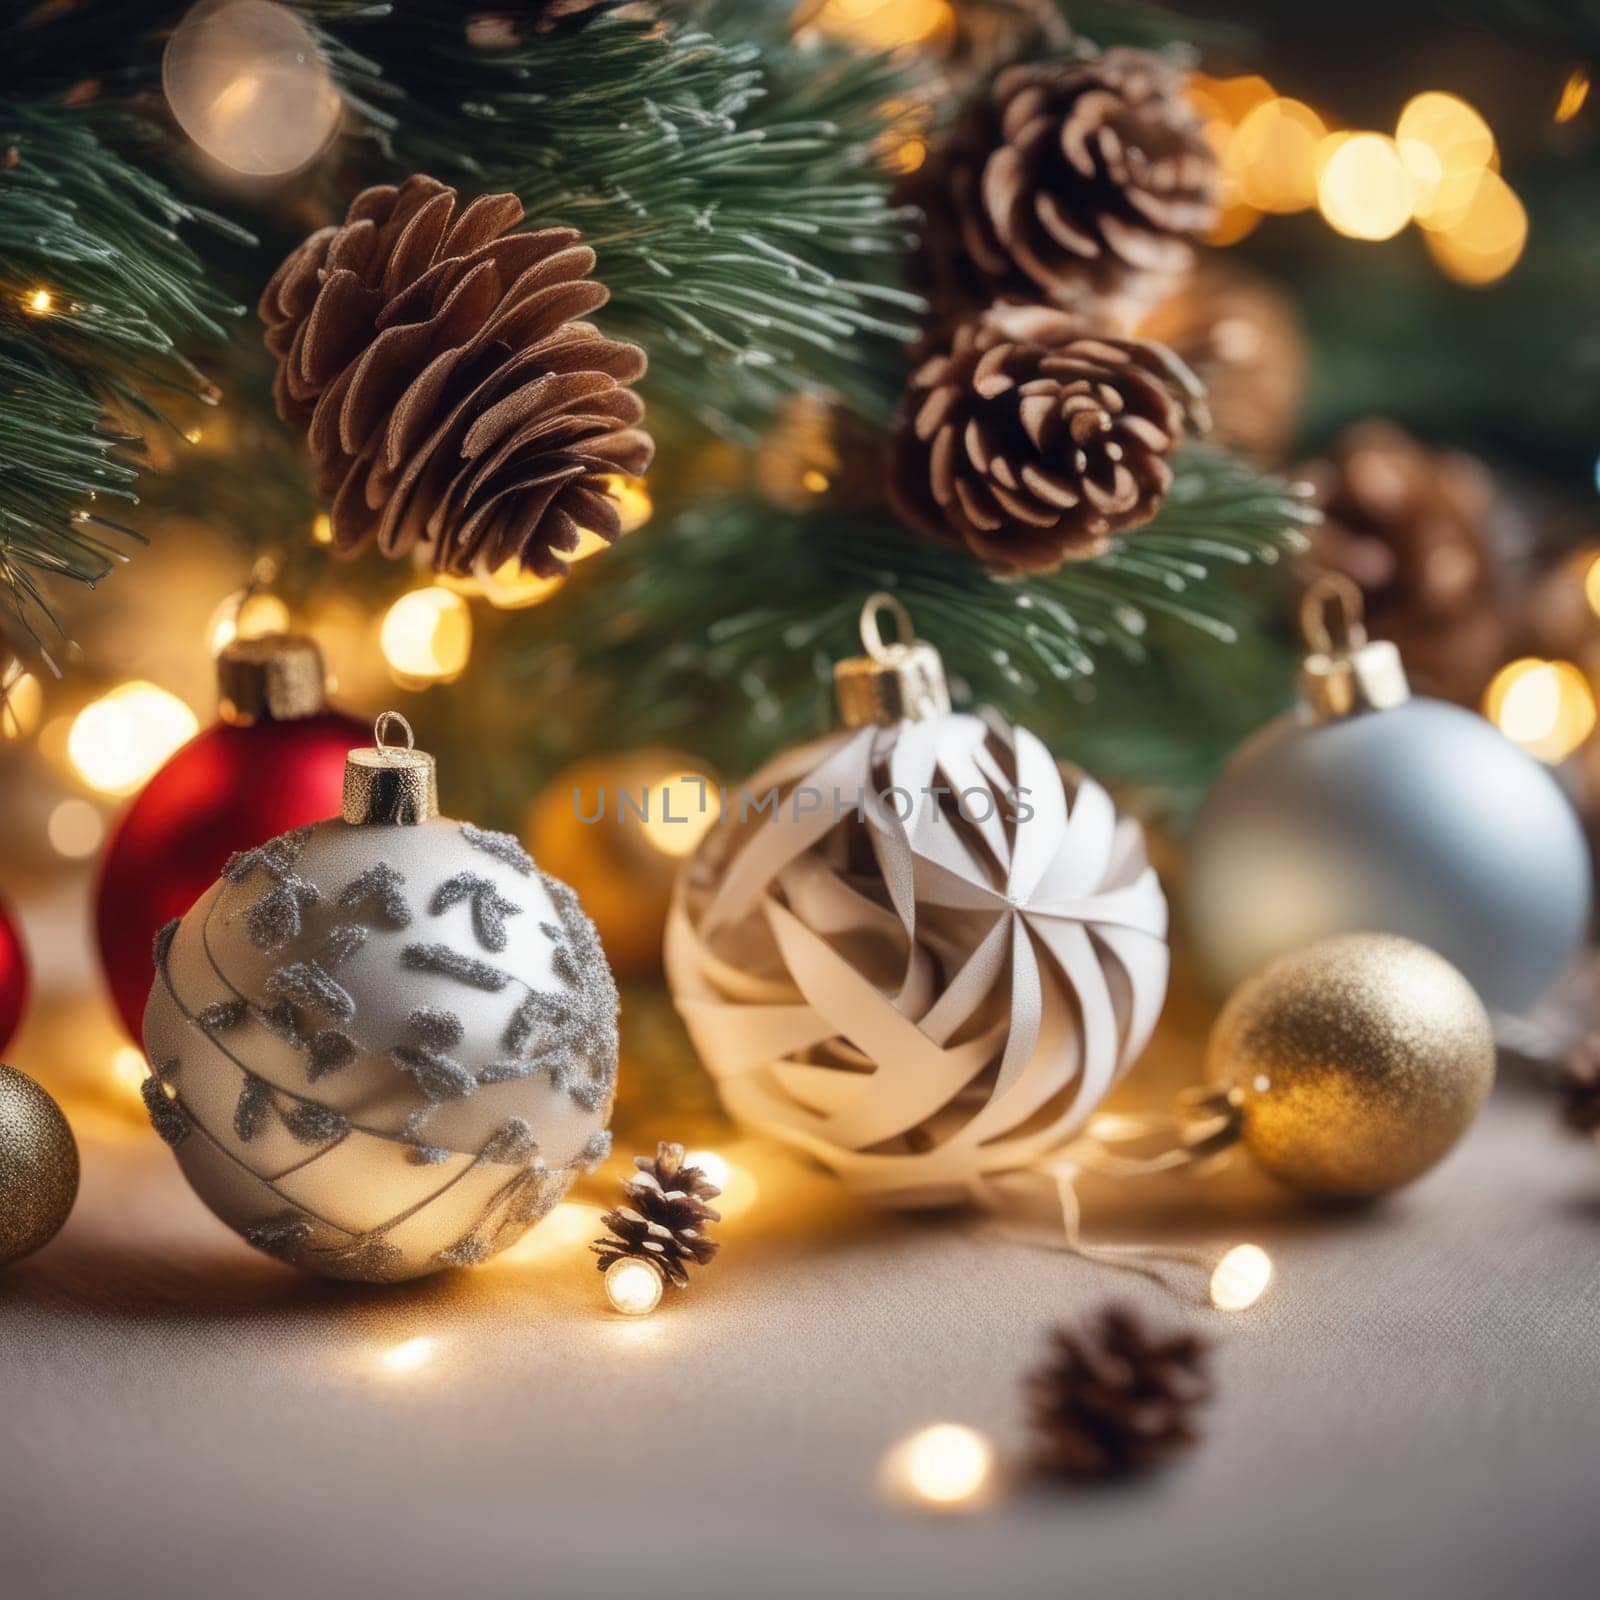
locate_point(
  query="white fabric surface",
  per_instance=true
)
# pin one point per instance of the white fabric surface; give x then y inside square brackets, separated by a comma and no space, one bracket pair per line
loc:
[1413,1410]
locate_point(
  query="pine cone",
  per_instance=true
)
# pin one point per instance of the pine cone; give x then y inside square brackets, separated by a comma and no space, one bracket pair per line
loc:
[1031,440]
[1581,1088]
[1115,1401]
[449,398]
[1075,182]
[664,1221]
[1410,526]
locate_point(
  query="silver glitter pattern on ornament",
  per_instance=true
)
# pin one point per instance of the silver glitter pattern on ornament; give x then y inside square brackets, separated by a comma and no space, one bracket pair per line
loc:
[355,1017]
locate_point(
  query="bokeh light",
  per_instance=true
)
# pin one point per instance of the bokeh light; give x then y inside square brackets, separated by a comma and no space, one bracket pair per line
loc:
[879,24]
[1547,707]
[633,1287]
[1485,240]
[411,1356]
[1240,1278]
[1445,147]
[117,741]
[75,829]
[245,614]
[426,637]
[948,1467]
[1363,190]
[129,1069]
[1273,156]
[1574,95]
[21,701]
[681,808]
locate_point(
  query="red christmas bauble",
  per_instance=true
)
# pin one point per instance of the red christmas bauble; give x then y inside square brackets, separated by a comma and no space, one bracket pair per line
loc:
[230,788]
[13,977]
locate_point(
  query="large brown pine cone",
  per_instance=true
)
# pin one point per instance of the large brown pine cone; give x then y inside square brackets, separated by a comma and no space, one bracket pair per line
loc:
[1080,183]
[1410,525]
[1032,440]
[449,397]
[665,1217]
[1115,1400]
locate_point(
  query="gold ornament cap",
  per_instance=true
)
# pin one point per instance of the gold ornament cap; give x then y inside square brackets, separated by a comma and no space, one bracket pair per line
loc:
[278,677]
[390,784]
[1345,672]
[895,682]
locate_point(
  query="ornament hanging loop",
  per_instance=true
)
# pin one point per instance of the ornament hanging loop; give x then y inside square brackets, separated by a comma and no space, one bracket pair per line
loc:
[871,634]
[902,680]
[1345,672]
[381,724]
[390,784]
[1333,615]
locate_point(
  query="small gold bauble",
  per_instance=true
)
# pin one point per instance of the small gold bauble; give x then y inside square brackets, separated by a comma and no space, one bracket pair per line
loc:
[38,1166]
[1356,1063]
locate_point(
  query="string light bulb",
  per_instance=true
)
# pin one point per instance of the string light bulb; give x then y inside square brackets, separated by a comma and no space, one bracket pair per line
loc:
[946,1467]
[632,1286]
[1240,1278]
[38,303]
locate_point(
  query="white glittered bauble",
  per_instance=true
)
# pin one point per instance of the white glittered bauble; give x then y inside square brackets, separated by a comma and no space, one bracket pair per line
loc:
[1420,820]
[382,1050]
[932,990]
[246,82]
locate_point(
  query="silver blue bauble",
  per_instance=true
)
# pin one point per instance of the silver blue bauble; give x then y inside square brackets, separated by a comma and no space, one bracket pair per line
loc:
[1371,811]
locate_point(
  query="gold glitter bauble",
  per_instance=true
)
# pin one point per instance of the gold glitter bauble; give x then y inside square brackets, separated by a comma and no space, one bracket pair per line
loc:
[1357,1063]
[38,1166]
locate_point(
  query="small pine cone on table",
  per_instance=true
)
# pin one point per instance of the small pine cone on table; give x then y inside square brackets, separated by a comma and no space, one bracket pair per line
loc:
[1115,1399]
[1031,440]
[664,1219]
[1080,183]
[451,397]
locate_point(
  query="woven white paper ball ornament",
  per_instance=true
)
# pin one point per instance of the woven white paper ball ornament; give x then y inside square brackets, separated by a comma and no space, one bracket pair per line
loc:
[384,1044]
[918,951]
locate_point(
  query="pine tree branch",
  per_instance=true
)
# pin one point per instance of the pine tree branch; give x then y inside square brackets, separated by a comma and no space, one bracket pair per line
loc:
[96,289]
[740,211]
[716,631]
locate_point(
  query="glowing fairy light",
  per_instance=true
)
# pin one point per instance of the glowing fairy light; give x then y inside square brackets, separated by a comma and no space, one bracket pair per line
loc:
[1363,189]
[880,24]
[21,701]
[322,529]
[117,741]
[75,829]
[1574,95]
[1273,155]
[38,303]
[412,1356]
[426,637]
[1485,240]
[1445,147]
[245,615]
[1547,707]
[681,809]
[1240,1278]
[129,1069]
[947,1467]
[633,1287]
